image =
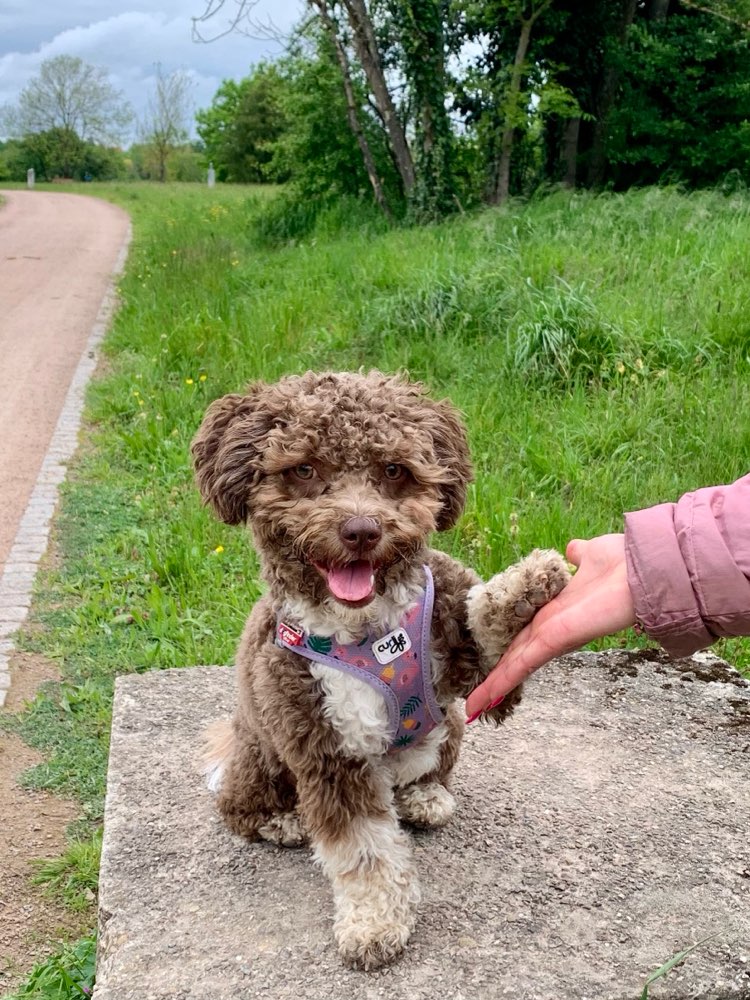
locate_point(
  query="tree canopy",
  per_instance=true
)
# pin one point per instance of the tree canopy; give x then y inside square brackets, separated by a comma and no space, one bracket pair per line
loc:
[165,126]
[432,105]
[242,127]
[73,95]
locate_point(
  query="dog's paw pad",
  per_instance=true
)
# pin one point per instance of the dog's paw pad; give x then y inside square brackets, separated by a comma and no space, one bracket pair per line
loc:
[545,575]
[430,805]
[524,610]
[284,829]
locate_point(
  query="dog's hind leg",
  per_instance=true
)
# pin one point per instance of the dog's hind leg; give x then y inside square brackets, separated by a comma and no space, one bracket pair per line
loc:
[255,795]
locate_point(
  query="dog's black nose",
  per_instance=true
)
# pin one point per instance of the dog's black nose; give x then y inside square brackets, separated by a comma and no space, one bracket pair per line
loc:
[360,534]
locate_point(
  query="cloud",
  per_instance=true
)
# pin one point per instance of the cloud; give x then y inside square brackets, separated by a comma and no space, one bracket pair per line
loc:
[129,44]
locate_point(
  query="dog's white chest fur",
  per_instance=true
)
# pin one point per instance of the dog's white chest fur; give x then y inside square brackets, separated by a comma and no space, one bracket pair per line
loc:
[359,715]
[355,710]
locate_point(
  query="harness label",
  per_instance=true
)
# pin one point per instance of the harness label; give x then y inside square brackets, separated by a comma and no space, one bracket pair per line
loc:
[391,646]
[290,635]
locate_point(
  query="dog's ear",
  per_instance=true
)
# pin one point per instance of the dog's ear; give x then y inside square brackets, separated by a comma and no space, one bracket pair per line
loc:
[452,449]
[227,449]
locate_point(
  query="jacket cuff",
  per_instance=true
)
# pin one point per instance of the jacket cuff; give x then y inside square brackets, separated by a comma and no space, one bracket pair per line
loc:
[665,603]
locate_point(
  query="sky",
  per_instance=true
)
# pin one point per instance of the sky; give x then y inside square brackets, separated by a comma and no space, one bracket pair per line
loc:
[129,37]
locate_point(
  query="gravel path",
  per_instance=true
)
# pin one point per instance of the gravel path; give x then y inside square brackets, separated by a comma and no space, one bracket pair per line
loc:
[57,256]
[58,253]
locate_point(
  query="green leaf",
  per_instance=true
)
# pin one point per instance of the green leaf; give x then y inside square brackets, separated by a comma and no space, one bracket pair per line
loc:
[674,960]
[320,644]
[410,706]
[403,741]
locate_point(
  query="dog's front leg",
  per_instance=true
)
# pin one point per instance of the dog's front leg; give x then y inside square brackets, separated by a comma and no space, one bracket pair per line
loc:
[499,609]
[348,808]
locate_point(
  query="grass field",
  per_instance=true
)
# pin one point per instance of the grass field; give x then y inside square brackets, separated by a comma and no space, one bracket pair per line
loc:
[598,346]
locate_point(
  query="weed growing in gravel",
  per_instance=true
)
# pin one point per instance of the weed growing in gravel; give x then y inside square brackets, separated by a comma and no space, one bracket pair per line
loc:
[67,975]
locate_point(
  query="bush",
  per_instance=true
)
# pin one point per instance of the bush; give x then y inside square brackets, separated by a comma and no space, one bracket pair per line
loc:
[291,217]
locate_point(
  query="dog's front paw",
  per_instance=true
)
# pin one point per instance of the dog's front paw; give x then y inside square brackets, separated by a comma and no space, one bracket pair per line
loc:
[375,914]
[499,609]
[283,829]
[427,805]
[367,949]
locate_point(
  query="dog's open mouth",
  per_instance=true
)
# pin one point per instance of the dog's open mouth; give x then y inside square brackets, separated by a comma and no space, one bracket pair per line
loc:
[352,583]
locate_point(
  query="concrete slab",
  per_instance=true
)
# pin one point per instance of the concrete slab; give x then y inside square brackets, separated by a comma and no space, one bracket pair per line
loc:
[600,832]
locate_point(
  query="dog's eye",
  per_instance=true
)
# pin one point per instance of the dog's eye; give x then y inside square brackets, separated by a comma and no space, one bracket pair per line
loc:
[304,471]
[394,472]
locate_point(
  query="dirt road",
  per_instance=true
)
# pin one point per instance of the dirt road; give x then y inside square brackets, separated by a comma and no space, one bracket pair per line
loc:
[57,252]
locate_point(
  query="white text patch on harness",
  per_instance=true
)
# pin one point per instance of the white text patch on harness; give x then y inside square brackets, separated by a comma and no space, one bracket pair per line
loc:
[391,646]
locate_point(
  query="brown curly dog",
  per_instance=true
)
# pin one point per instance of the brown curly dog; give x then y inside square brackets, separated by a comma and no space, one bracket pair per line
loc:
[352,667]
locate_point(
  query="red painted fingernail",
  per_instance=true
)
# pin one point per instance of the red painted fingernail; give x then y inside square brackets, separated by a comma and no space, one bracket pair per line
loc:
[487,708]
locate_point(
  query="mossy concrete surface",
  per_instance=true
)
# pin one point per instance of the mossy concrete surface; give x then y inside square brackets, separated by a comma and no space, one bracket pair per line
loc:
[601,831]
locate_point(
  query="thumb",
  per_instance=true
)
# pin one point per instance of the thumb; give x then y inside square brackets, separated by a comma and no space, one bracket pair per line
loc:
[574,551]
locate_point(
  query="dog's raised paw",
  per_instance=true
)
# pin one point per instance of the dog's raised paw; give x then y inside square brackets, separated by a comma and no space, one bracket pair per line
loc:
[500,608]
[541,576]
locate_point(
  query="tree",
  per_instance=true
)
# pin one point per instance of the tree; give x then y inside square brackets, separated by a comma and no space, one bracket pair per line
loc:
[318,147]
[683,112]
[420,27]
[365,43]
[59,152]
[242,127]
[604,92]
[73,95]
[165,125]
[525,16]
[662,88]
[353,111]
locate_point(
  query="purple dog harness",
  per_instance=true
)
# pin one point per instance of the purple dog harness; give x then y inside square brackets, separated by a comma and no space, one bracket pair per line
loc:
[397,665]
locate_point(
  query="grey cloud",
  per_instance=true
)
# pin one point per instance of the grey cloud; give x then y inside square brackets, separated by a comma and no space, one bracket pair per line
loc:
[129,43]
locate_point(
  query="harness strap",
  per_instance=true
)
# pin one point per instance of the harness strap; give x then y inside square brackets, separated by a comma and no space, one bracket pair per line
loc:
[396,665]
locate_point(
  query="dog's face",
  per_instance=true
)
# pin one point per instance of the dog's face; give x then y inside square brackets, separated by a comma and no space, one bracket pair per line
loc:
[342,477]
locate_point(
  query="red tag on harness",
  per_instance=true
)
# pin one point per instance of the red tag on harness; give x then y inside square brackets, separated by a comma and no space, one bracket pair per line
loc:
[289,634]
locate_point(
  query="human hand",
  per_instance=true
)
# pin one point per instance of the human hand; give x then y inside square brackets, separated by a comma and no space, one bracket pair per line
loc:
[596,602]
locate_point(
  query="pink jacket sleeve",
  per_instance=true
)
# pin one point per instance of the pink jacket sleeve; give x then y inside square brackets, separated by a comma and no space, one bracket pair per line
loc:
[689,567]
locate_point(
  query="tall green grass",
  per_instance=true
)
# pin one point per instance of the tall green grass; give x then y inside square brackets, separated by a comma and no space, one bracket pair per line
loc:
[599,348]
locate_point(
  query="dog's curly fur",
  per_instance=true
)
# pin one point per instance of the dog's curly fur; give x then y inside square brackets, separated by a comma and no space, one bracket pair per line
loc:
[306,756]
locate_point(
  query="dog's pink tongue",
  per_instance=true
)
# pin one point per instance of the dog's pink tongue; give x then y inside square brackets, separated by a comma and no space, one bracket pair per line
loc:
[354,582]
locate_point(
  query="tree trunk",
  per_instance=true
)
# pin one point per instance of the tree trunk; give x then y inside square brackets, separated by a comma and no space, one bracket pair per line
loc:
[606,99]
[570,151]
[420,24]
[366,47]
[502,184]
[351,106]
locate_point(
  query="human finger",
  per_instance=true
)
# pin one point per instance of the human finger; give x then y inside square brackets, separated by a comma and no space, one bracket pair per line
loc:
[574,551]
[528,651]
